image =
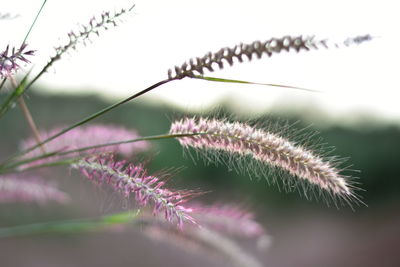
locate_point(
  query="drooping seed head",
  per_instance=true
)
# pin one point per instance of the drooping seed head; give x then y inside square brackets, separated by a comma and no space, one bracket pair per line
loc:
[133,180]
[235,138]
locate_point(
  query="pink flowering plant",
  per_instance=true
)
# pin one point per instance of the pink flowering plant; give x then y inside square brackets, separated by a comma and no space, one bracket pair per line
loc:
[103,153]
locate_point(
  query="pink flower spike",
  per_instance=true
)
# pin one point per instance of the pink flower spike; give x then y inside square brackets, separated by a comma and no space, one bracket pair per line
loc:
[144,188]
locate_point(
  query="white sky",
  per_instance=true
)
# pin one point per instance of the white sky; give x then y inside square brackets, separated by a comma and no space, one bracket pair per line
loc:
[160,34]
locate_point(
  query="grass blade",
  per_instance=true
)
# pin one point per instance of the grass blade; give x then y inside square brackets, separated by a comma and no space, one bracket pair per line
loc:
[215,79]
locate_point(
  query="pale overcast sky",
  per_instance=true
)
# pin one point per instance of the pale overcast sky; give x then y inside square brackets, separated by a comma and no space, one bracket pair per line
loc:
[160,34]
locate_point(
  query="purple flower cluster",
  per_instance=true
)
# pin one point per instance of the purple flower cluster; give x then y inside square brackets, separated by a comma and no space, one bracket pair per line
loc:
[9,62]
[265,147]
[87,136]
[18,189]
[133,179]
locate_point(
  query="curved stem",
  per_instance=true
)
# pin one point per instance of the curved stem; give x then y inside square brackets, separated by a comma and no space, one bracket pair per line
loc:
[63,153]
[10,100]
[68,161]
[2,83]
[87,119]
[28,116]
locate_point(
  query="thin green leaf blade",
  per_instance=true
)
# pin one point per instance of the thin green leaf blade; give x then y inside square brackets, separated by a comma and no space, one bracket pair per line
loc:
[215,79]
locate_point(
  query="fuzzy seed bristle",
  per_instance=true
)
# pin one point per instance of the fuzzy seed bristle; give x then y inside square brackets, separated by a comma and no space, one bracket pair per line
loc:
[266,148]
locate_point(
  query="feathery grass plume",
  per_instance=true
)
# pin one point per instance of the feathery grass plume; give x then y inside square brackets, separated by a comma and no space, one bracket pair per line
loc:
[29,189]
[243,140]
[228,55]
[93,27]
[9,62]
[91,135]
[133,179]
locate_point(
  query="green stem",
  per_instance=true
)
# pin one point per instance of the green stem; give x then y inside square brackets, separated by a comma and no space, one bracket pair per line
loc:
[28,116]
[33,23]
[87,119]
[215,79]
[2,83]
[147,138]
[18,91]
[69,226]
[23,88]
[49,164]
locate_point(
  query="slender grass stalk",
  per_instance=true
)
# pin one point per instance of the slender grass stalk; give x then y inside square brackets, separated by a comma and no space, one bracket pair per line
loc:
[70,226]
[224,80]
[2,83]
[12,98]
[28,116]
[63,162]
[34,22]
[31,122]
[87,119]
[10,167]
[90,135]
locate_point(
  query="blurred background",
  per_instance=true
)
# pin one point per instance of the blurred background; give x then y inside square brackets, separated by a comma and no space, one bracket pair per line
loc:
[356,111]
